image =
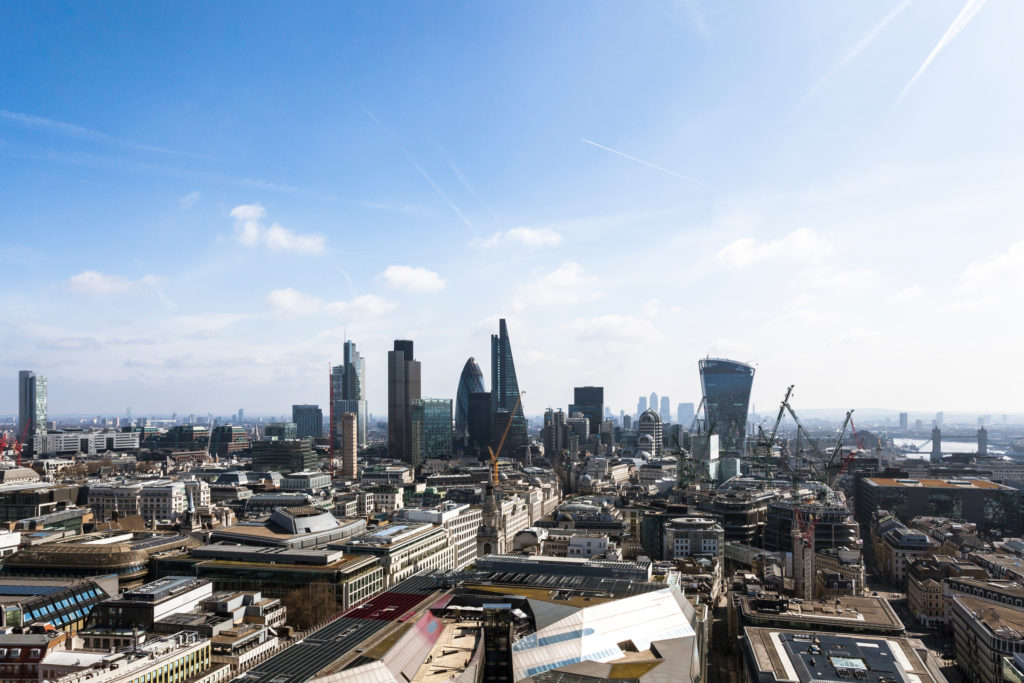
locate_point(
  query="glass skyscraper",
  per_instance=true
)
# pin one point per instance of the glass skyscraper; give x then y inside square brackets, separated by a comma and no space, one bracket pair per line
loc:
[431,429]
[726,385]
[403,389]
[589,401]
[349,380]
[32,410]
[505,395]
[472,380]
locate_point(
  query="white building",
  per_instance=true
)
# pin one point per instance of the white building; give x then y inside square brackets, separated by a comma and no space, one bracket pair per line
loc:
[90,443]
[405,548]
[461,521]
[161,499]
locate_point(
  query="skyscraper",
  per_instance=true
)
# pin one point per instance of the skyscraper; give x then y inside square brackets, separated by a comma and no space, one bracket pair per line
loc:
[589,401]
[349,468]
[652,402]
[471,380]
[403,389]
[641,406]
[505,394]
[666,409]
[431,429]
[684,414]
[349,381]
[31,406]
[904,420]
[726,385]
[650,435]
[309,421]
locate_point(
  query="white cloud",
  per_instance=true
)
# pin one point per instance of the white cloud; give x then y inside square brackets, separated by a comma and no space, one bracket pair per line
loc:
[413,279]
[528,237]
[997,273]
[652,308]
[567,284]
[189,200]
[907,295]
[799,244]
[250,231]
[94,282]
[626,329]
[289,301]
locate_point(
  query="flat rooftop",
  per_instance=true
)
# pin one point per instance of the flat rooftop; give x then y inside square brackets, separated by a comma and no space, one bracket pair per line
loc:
[834,613]
[961,484]
[811,657]
[1005,622]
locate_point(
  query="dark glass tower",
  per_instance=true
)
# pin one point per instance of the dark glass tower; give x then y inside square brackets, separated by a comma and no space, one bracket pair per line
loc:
[726,385]
[590,402]
[505,394]
[403,389]
[472,380]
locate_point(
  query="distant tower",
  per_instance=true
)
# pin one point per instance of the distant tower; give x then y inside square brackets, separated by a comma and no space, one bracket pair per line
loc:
[982,441]
[471,380]
[403,389]
[506,405]
[726,385]
[904,422]
[32,406]
[641,406]
[684,414]
[349,434]
[936,444]
[666,409]
[652,402]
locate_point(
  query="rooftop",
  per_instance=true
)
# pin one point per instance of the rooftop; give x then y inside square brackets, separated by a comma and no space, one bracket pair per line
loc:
[820,657]
[938,483]
[842,612]
[1004,622]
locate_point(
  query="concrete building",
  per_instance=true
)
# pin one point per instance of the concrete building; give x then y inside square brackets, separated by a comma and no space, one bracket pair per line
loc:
[650,425]
[87,443]
[693,537]
[404,549]
[984,632]
[287,455]
[309,421]
[32,406]
[461,521]
[993,507]
[349,462]
[157,500]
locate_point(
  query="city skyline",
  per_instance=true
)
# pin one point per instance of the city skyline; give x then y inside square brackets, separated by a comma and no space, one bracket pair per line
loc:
[811,189]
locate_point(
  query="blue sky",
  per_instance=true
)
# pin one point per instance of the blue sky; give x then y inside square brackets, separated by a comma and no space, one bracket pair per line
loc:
[198,200]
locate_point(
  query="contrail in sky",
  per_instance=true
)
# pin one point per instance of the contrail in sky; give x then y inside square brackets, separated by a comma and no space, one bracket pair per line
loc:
[650,165]
[855,50]
[958,25]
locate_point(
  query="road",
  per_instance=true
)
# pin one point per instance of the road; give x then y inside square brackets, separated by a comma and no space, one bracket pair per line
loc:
[305,658]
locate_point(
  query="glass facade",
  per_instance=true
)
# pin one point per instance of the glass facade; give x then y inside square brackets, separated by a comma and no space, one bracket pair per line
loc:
[472,380]
[349,384]
[432,429]
[32,410]
[590,402]
[309,421]
[505,393]
[726,385]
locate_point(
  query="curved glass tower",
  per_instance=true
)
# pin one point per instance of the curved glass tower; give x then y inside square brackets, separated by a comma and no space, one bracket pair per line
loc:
[471,380]
[726,385]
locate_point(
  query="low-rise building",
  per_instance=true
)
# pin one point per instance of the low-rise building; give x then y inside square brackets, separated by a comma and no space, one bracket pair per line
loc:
[461,521]
[693,537]
[985,632]
[404,549]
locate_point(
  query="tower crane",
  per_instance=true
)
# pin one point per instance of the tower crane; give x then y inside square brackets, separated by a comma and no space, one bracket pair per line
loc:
[494,455]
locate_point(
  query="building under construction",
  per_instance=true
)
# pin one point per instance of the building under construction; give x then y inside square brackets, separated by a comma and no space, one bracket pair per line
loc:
[835,527]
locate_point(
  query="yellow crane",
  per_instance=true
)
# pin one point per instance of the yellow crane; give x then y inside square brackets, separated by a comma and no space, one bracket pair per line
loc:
[494,455]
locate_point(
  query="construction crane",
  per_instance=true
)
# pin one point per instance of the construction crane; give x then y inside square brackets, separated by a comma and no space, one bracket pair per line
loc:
[696,414]
[778,418]
[837,450]
[806,526]
[501,444]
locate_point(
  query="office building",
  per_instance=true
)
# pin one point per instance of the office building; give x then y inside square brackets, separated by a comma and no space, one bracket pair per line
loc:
[505,395]
[470,381]
[228,439]
[990,505]
[726,385]
[590,402]
[404,549]
[480,417]
[692,537]
[32,412]
[641,405]
[403,389]
[786,656]
[553,434]
[652,403]
[984,632]
[666,409]
[936,455]
[309,421]
[431,429]
[982,441]
[684,414]
[281,431]
[287,455]
[349,432]
[348,384]
[649,425]
[904,422]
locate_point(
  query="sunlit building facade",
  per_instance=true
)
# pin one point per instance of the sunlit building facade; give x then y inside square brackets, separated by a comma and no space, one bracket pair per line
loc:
[726,385]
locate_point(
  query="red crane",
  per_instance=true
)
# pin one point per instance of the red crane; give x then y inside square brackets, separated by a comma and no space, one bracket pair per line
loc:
[806,527]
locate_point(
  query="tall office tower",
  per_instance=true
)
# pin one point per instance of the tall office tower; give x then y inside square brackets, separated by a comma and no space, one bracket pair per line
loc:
[650,436]
[982,441]
[666,409]
[589,401]
[349,385]
[641,406]
[479,421]
[31,406]
[553,434]
[936,444]
[904,419]
[726,385]
[652,402]
[403,389]
[627,423]
[309,421]
[471,380]
[241,416]
[349,447]
[940,418]
[684,414]
[505,395]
